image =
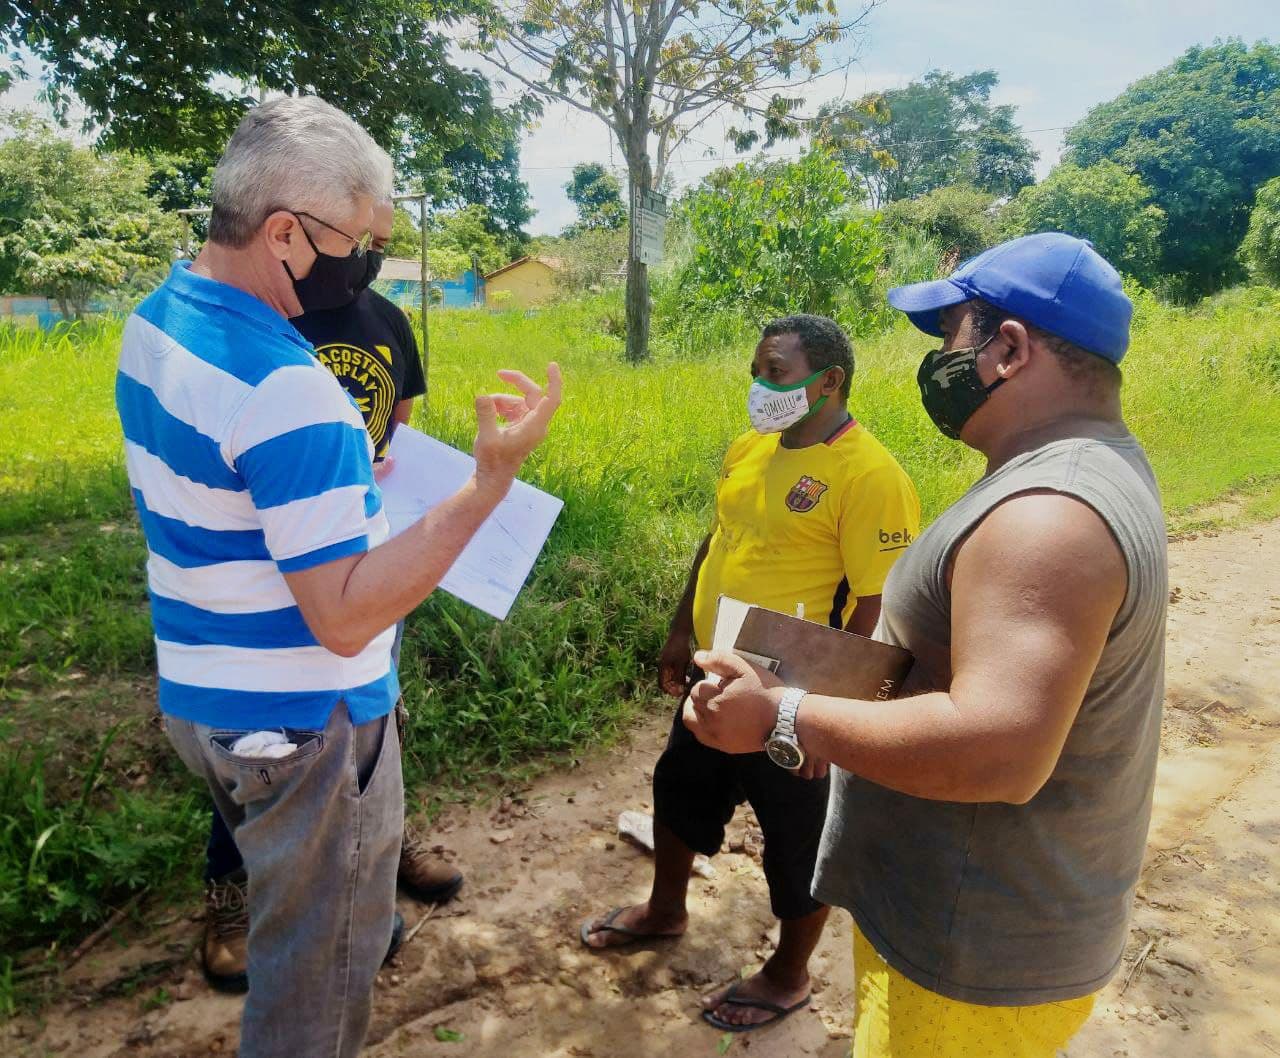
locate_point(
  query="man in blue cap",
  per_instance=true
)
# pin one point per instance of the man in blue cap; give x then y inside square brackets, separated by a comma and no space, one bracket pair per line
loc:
[986,830]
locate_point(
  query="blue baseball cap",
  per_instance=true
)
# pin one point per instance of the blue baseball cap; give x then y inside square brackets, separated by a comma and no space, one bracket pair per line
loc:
[1056,281]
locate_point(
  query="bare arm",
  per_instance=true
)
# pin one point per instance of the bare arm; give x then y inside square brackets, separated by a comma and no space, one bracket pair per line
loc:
[402,411]
[682,621]
[349,601]
[865,615]
[676,653]
[1034,593]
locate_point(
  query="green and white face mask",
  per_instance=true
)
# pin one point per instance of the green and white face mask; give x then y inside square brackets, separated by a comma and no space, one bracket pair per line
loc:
[773,408]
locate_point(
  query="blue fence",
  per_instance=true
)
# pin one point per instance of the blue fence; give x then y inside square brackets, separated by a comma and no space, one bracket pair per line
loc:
[465,292]
[28,310]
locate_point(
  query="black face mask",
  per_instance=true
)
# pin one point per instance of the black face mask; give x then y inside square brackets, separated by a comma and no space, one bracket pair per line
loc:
[373,266]
[332,281]
[951,389]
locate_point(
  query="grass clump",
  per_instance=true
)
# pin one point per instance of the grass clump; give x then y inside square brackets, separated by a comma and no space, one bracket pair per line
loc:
[68,856]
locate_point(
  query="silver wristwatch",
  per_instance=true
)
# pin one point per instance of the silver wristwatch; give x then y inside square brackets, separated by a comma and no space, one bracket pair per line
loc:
[782,746]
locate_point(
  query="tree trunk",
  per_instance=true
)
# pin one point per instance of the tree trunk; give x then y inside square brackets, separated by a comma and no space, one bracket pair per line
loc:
[637,310]
[641,179]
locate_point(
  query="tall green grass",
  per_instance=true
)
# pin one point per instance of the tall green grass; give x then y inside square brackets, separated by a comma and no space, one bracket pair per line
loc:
[60,448]
[634,454]
[66,858]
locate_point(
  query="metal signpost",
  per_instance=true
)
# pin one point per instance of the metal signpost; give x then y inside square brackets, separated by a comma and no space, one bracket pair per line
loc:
[425,279]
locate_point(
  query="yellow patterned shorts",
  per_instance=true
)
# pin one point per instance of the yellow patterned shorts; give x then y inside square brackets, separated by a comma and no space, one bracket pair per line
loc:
[896,1018]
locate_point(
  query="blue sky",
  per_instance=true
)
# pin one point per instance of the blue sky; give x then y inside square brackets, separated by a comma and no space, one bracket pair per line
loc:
[1055,61]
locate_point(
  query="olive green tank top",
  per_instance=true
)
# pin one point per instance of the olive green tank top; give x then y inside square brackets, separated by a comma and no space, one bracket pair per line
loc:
[1005,904]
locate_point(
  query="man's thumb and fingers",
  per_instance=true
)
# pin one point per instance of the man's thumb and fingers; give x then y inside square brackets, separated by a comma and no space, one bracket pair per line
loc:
[510,407]
[722,663]
[532,392]
[529,416]
[486,417]
[540,418]
[813,768]
[721,670]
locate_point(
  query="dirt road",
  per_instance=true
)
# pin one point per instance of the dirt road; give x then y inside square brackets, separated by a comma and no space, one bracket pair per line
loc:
[503,967]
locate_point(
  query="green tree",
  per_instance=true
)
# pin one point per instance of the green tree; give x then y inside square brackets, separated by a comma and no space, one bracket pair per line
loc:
[1203,135]
[177,77]
[937,131]
[960,220]
[1106,204]
[587,260]
[779,238]
[466,232]
[598,196]
[76,224]
[406,236]
[479,177]
[446,261]
[655,70]
[1261,246]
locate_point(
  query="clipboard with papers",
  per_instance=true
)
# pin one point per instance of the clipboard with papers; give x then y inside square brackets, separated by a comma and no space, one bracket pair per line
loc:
[811,656]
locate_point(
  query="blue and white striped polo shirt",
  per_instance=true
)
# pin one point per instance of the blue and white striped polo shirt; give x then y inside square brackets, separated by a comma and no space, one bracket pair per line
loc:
[247,461]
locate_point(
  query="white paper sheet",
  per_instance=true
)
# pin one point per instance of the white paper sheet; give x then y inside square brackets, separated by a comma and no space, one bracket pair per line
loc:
[731,614]
[494,566]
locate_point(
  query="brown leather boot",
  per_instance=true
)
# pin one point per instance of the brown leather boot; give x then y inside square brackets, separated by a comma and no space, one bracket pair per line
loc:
[225,952]
[423,876]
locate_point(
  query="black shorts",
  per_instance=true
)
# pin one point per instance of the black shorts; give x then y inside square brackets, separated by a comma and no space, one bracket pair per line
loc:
[696,790]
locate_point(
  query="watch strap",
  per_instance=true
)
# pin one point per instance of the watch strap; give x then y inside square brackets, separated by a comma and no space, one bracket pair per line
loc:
[785,725]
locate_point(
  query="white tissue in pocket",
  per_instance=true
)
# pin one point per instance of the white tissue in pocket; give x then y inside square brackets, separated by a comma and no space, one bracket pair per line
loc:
[268,745]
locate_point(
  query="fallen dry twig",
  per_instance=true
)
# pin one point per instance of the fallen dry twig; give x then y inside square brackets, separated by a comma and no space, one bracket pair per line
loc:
[1138,963]
[419,924]
[117,916]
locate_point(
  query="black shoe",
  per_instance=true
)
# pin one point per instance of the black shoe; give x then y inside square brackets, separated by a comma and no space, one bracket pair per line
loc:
[397,938]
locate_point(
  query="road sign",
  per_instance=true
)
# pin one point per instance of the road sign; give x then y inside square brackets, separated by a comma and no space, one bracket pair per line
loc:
[648,225]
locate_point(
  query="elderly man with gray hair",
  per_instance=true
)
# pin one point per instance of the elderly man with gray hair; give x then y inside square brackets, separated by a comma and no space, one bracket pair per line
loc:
[274,589]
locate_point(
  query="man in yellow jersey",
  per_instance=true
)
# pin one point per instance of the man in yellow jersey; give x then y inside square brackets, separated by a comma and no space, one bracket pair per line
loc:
[811,511]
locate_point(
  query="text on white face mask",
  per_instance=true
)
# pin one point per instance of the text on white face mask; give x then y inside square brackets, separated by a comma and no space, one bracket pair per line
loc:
[772,411]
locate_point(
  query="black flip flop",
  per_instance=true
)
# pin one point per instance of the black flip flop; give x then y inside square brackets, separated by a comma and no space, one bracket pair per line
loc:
[731,997]
[635,936]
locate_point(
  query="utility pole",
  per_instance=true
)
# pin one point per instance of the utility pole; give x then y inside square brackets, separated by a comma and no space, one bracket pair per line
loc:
[186,215]
[426,298]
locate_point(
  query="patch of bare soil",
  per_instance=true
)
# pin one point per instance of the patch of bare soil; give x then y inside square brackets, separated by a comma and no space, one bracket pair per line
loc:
[503,968]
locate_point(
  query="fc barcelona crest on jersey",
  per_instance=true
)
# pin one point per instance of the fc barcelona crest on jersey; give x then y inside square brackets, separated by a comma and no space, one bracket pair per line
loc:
[805,494]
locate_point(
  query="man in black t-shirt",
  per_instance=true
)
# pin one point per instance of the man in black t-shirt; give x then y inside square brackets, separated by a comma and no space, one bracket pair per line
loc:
[369,346]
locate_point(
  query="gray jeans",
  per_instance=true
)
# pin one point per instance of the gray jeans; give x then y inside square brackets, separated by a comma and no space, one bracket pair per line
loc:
[320,834]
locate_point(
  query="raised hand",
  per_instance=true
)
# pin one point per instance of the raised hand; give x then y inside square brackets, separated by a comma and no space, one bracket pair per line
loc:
[500,450]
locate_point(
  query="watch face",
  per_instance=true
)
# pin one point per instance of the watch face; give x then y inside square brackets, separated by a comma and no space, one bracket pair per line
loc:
[783,753]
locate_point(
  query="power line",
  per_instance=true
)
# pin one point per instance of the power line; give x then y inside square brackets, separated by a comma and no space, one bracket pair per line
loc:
[766,157]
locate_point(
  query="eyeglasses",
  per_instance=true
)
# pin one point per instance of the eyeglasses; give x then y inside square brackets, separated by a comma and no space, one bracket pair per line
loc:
[359,246]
